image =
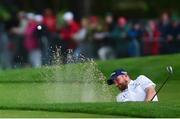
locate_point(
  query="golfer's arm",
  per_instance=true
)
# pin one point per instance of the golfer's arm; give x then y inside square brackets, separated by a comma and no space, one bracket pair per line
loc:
[150,92]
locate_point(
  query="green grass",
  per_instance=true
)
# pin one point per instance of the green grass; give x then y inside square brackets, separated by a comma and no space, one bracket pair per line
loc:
[153,67]
[65,89]
[129,109]
[49,114]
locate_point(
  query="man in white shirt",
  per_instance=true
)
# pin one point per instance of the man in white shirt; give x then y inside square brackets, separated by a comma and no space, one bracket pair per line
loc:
[141,89]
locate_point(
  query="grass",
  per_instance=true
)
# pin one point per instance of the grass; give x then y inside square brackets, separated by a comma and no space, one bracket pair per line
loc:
[153,67]
[129,109]
[65,89]
[48,114]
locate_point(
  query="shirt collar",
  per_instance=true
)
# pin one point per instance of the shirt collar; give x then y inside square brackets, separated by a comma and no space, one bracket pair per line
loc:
[130,83]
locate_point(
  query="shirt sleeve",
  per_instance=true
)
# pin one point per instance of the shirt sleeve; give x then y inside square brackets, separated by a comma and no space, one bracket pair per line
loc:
[145,82]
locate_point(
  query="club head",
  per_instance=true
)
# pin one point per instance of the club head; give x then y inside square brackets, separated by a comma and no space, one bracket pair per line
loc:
[169,69]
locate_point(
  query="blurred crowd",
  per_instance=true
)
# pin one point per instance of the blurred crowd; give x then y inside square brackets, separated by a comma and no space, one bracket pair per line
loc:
[30,39]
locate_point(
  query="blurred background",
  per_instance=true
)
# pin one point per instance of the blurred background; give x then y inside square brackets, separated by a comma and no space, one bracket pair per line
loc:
[32,31]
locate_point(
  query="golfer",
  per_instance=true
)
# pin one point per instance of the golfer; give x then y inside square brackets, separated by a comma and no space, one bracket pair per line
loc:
[141,89]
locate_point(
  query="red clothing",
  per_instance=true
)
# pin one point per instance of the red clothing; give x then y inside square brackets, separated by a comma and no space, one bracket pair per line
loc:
[30,42]
[151,43]
[67,32]
[50,22]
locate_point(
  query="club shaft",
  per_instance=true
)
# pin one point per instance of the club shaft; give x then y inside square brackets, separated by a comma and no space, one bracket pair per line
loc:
[161,87]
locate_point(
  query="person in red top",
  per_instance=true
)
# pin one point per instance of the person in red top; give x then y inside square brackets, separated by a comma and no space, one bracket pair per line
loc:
[30,42]
[49,20]
[68,30]
[151,39]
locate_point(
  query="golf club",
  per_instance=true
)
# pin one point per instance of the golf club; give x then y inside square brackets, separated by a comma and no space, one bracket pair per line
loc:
[170,72]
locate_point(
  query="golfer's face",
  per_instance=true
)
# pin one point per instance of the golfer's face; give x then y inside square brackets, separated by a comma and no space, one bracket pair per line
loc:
[121,82]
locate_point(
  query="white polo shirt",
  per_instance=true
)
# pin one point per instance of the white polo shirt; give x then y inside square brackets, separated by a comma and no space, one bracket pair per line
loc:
[136,90]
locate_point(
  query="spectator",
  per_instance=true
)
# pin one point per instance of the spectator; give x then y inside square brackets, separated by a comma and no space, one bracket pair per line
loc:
[164,28]
[109,27]
[49,20]
[81,39]
[135,34]
[94,36]
[20,55]
[31,42]
[12,40]
[151,39]
[173,39]
[68,31]
[42,35]
[5,52]
[106,50]
[119,34]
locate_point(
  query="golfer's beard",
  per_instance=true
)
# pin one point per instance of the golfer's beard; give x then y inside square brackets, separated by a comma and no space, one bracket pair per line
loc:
[123,87]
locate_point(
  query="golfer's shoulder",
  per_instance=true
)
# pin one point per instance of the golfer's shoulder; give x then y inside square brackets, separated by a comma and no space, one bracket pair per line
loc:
[142,78]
